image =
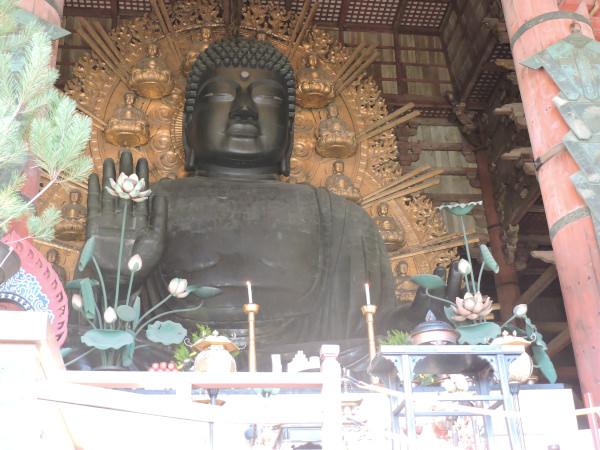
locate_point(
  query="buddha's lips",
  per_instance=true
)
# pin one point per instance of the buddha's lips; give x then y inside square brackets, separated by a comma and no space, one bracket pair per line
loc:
[242,130]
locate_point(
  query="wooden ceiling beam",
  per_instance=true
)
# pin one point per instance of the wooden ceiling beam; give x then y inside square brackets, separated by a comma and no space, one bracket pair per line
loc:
[567,373]
[342,20]
[399,68]
[523,207]
[539,285]
[429,101]
[478,69]
[559,343]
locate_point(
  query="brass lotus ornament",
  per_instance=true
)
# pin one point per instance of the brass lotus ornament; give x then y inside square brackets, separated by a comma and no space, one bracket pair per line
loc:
[471,307]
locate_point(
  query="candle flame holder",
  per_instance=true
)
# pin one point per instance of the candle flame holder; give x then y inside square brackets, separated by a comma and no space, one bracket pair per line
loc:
[251,309]
[369,311]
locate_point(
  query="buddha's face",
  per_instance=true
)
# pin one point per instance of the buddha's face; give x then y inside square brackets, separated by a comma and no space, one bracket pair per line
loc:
[129,98]
[51,256]
[383,209]
[332,111]
[240,120]
[338,167]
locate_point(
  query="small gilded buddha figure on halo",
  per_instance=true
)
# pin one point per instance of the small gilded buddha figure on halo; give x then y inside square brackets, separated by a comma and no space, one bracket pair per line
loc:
[128,125]
[392,234]
[405,288]
[197,47]
[53,258]
[335,140]
[73,216]
[342,185]
[314,88]
[151,76]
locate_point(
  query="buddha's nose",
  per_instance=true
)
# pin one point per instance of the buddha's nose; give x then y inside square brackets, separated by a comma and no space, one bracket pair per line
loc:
[243,107]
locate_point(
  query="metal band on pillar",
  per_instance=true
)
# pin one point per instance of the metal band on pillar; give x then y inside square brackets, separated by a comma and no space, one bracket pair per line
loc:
[565,220]
[554,15]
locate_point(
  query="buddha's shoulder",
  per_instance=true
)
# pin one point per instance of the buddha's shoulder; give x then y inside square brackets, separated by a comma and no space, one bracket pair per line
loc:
[185,189]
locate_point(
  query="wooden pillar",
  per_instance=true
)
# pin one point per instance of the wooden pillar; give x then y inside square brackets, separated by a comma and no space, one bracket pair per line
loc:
[507,281]
[533,26]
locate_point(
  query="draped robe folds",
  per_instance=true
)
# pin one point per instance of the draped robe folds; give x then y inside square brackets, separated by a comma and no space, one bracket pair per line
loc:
[307,253]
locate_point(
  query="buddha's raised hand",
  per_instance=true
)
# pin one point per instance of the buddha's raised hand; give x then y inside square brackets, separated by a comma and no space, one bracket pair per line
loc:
[145,224]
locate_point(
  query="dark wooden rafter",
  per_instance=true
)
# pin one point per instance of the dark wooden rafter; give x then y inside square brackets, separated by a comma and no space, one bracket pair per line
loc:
[232,15]
[559,343]
[516,214]
[114,7]
[539,285]
[342,20]
[399,68]
[464,96]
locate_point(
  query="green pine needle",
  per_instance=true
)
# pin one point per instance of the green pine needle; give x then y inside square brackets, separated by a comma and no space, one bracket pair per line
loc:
[36,122]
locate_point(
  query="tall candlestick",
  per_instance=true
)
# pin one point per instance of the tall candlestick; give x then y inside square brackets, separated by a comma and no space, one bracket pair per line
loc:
[369,311]
[249,292]
[251,309]
[368,293]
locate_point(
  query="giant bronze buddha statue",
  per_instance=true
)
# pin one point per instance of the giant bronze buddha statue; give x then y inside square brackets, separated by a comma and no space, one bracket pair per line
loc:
[306,251]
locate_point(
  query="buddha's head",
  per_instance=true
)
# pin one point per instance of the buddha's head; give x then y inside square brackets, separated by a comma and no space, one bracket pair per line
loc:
[383,209]
[129,98]
[402,268]
[75,196]
[205,34]
[332,111]
[239,110]
[338,166]
[152,49]
[52,256]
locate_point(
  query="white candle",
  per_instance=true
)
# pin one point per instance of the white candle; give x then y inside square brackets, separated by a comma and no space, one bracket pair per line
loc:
[249,291]
[368,293]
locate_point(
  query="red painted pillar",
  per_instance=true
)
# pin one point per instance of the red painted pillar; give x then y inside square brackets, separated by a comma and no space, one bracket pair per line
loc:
[571,230]
[506,280]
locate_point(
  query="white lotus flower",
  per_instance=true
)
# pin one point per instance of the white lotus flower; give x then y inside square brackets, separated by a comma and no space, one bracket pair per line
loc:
[471,307]
[77,302]
[128,187]
[135,263]
[178,287]
[464,267]
[520,310]
[110,315]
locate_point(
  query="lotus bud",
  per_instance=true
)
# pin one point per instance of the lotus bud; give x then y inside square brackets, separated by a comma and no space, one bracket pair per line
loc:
[135,263]
[464,267]
[178,287]
[110,315]
[77,302]
[520,310]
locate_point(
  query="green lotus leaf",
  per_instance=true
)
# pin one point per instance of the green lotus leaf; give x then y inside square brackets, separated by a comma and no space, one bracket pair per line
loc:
[460,209]
[89,301]
[87,252]
[65,351]
[76,284]
[428,281]
[478,333]
[136,308]
[543,361]
[105,339]
[128,353]
[166,333]
[204,291]
[126,313]
[488,258]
